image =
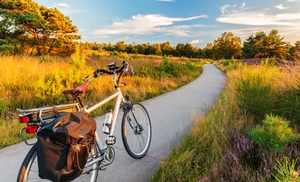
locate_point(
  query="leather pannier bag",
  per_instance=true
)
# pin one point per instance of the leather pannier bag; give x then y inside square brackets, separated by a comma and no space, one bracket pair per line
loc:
[63,146]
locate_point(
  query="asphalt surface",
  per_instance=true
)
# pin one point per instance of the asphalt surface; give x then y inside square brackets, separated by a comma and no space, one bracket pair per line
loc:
[172,116]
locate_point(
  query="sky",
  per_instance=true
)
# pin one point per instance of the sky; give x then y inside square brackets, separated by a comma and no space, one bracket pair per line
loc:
[197,22]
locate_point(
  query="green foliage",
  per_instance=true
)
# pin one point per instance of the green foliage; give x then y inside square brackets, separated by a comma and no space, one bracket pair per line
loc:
[7,49]
[268,61]
[227,46]
[10,132]
[3,107]
[173,69]
[295,51]
[255,95]
[78,59]
[262,46]
[168,69]
[49,88]
[274,134]
[42,29]
[231,64]
[286,171]
[289,105]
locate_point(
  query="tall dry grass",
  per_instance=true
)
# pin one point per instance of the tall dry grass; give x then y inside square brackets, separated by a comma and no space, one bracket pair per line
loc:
[30,82]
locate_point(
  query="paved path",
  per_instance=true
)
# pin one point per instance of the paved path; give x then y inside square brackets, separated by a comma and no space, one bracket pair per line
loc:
[171,114]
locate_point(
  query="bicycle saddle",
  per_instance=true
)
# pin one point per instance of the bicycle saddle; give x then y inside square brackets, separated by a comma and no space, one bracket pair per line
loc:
[80,89]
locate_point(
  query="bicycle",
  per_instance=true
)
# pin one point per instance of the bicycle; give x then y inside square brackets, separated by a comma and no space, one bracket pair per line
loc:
[136,128]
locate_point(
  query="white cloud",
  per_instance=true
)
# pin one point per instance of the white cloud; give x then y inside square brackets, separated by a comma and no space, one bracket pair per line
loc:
[286,23]
[280,7]
[260,18]
[223,8]
[148,24]
[65,8]
[293,1]
[197,41]
[243,6]
[232,8]
[165,0]
[61,5]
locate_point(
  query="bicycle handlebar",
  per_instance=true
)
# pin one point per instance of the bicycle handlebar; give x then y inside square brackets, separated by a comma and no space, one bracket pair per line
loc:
[112,69]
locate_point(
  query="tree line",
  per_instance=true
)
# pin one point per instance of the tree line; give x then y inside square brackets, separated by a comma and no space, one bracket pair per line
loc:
[28,28]
[228,46]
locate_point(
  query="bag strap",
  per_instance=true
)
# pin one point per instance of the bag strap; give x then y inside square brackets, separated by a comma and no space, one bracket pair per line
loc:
[70,156]
[55,111]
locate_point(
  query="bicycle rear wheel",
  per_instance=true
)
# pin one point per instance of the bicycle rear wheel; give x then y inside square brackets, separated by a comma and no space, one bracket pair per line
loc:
[136,131]
[29,168]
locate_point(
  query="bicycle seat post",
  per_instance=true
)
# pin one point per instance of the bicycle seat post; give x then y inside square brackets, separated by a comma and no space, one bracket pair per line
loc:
[80,100]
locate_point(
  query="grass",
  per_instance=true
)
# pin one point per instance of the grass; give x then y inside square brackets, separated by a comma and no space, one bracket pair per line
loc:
[30,82]
[218,148]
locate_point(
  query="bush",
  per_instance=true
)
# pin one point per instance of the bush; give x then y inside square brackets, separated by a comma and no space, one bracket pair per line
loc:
[3,107]
[274,134]
[174,69]
[255,95]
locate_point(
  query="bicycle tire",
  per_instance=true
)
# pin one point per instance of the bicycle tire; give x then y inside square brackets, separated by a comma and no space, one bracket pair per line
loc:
[29,169]
[136,140]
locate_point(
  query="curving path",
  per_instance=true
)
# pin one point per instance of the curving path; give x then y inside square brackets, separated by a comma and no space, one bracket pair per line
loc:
[172,114]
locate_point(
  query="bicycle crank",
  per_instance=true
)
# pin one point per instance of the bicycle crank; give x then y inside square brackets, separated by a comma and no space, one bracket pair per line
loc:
[108,158]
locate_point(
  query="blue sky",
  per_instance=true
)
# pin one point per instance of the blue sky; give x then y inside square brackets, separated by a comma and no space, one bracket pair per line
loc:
[178,21]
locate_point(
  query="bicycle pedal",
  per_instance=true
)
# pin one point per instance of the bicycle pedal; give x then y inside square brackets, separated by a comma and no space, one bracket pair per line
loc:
[111,140]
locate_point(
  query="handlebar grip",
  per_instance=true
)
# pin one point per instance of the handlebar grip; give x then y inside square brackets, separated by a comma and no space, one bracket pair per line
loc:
[124,67]
[125,64]
[102,71]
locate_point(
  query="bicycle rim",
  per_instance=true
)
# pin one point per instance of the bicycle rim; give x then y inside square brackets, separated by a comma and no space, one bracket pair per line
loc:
[29,169]
[136,131]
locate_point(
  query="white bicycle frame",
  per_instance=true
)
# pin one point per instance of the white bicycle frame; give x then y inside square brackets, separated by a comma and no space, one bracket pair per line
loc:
[117,106]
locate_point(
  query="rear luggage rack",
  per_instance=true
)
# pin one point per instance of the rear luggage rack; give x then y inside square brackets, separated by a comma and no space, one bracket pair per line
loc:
[33,118]
[44,114]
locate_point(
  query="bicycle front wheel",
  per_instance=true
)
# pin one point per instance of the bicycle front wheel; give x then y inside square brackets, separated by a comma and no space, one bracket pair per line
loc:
[136,131]
[29,169]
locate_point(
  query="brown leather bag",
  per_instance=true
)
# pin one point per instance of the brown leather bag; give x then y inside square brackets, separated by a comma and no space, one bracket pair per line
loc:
[63,146]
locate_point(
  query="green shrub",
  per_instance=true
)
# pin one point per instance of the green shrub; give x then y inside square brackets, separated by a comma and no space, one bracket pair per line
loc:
[174,69]
[78,59]
[268,61]
[3,107]
[286,171]
[255,95]
[6,49]
[289,105]
[48,88]
[274,134]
